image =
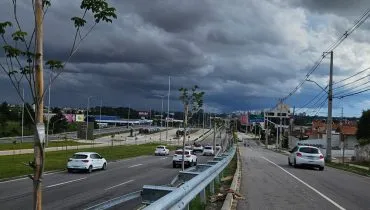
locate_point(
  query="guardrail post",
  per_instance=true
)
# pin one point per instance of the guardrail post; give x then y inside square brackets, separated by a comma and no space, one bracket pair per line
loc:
[202,195]
[218,178]
[212,187]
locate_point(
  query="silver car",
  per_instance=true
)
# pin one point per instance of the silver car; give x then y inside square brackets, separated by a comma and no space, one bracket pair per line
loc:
[306,156]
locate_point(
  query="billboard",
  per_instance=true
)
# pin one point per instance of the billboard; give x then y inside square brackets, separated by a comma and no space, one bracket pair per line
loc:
[244,119]
[70,118]
[80,117]
[143,113]
[256,118]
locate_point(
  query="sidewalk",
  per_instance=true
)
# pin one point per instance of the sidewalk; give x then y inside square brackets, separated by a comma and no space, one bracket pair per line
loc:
[118,140]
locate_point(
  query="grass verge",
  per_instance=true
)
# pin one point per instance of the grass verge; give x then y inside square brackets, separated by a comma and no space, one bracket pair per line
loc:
[13,165]
[220,187]
[29,145]
[349,168]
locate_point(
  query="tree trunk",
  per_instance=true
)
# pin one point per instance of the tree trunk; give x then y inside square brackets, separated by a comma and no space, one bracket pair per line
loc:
[39,103]
[184,137]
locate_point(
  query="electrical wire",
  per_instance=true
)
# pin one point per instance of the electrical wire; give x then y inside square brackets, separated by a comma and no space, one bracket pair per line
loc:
[332,47]
[354,93]
[349,90]
[334,83]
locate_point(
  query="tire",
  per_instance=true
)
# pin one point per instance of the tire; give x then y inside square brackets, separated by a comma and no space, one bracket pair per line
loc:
[90,169]
[104,167]
[174,165]
[321,168]
[69,170]
[295,164]
[196,162]
[290,164]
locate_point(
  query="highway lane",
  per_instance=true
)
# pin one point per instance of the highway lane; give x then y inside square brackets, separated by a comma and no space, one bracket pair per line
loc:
[80,190]
[269,183]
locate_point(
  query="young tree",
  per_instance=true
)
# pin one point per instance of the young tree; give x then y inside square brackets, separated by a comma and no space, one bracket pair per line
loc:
[363,131]
[24,64]
[193,102]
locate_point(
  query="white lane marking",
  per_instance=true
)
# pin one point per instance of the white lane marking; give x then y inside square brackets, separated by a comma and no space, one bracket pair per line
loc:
[119,184]
[307,185]
[23,178]
[163,158]
[135,165]
[63,183]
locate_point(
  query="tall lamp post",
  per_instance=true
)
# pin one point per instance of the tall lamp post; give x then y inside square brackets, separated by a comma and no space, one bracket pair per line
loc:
[160,133]
[87,115]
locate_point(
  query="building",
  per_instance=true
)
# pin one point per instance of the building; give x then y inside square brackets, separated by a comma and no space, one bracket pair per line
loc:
[281,112]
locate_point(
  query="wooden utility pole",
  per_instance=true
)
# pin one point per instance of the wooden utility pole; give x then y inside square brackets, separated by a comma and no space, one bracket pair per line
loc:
[39,140]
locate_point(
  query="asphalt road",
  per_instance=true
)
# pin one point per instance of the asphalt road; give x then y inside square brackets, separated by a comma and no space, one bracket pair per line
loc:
[269,183]
[80,190]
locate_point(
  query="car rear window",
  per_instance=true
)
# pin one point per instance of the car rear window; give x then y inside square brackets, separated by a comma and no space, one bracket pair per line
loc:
[160,147]
[180,152]
[309,150]
[77,156]
[207,147]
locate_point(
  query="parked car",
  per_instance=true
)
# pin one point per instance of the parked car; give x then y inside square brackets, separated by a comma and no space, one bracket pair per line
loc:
[198,148]
[218,147]
[189,157]
[306,156]
[161,150]
[208,150]
[188,146]
[87,161]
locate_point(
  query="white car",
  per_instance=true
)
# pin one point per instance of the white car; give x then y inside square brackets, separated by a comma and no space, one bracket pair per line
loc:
[198,148]
[208,150]
[161,150]
[87,161]
[189,157]
[188,146]
[218,147]
[306,156]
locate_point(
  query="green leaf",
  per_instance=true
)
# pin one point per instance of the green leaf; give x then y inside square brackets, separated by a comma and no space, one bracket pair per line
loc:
[19,35]
[26,70]
[3,26]
[46,3]
[54,64]
[11,52]
[79,22]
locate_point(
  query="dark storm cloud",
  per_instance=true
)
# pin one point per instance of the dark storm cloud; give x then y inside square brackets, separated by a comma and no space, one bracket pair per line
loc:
[244,54]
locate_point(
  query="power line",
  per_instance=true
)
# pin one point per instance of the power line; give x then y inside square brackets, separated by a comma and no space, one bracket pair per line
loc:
[355,93]
[315,97]
[351,76]
[364,77]
[349,90]
[332,47]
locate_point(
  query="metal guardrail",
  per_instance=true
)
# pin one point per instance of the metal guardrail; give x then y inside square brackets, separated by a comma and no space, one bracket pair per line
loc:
[179,198]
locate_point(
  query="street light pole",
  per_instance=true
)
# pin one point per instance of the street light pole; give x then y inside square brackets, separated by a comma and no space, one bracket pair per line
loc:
[22,115]
[87,116]
[101,104]
[48,122]
[168,105]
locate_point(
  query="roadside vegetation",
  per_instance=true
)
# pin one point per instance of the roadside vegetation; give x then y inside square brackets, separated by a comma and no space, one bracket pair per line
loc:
[14,165]
[347,167]
[29,145]
[214,201]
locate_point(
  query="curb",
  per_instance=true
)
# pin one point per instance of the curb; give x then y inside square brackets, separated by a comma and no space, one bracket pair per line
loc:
[230,202]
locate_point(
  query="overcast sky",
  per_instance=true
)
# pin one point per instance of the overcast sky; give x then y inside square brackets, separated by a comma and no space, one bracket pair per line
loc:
[245,54]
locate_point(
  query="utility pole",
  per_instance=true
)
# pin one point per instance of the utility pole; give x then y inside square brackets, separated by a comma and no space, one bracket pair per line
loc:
[214,134]
[267,132]
[22,115]
[330,105]
[39,143]
[203,118]
[128,115]
[281,125]
[101,104]
[168,105]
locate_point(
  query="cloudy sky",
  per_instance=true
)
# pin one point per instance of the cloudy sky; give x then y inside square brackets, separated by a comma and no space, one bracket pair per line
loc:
[245,54]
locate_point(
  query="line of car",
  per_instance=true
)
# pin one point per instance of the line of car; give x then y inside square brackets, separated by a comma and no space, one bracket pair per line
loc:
[306,156]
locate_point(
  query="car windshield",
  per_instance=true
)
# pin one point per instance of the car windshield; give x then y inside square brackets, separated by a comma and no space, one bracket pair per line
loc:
[79,156]
[160,147]
[309,150]
[207,147]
